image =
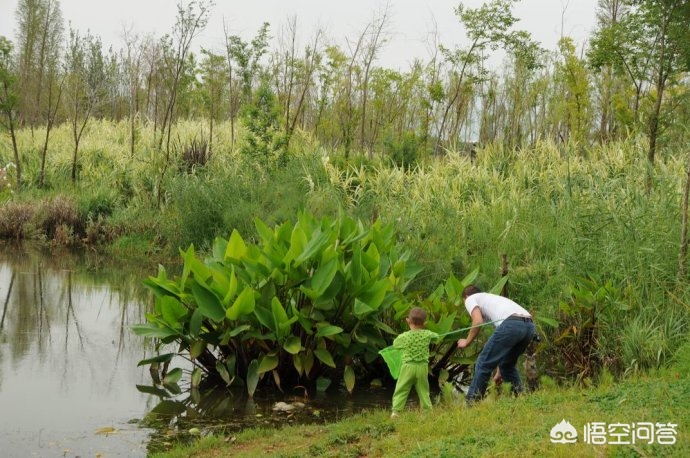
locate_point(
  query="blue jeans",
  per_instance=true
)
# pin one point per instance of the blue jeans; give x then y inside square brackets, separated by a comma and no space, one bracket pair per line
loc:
[502,350]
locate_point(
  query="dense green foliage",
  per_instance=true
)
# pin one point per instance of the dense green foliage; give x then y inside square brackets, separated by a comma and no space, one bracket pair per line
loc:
[305,298]
[586,245]
[577,181]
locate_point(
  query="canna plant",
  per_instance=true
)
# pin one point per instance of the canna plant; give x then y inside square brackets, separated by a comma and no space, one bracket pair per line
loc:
[313,300]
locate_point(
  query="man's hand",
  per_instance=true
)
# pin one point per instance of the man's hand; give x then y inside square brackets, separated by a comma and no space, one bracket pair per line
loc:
[463,343]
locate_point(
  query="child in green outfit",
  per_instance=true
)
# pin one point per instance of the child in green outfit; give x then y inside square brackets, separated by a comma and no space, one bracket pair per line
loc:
[414,345]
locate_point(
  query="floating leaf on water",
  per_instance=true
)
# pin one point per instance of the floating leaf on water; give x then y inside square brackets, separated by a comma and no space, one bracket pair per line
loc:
[106,430]
[194,431]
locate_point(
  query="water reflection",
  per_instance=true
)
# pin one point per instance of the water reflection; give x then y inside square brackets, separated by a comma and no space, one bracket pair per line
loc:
[68,362]
[69,381]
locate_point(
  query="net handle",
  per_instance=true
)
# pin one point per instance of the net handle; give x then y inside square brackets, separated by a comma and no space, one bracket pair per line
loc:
[468,328]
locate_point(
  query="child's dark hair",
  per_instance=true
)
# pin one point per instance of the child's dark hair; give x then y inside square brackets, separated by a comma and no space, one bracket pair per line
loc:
[417,316]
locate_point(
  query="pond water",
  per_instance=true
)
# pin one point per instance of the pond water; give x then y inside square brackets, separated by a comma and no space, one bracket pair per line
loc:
[69,381]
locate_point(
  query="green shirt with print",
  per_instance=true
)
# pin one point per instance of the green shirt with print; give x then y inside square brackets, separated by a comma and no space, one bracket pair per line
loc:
[414,345]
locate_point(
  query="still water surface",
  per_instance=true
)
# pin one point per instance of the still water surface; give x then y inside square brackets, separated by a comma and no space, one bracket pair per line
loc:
[68,365]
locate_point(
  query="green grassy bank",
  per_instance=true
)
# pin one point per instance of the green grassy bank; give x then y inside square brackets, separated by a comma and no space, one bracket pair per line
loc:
[499,426]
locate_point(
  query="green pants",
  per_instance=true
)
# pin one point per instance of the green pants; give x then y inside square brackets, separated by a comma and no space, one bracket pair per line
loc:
[412,374]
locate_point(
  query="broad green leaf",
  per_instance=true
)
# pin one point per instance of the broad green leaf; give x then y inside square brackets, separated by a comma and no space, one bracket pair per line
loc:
[197,348]
[173,388]
[547,321]
[169,408]
[325,356]
[297,362]
[470,277]
[265,233]
[360,308]
[239,329]
[187,257]
[173,376]
[322,384]
[308,362]
[384,327]
[196,377]
[223,371]
[196,322]
[276,379]
[252,377]
[232,287]
[152,330]
[399,268]
[172,311]
[208,302]
[327,330]
[268,363]
[236,247]
[154,390]
[200,270]
[279,316]
[349,377]
[354,268]
[324,276]
[371,259]
[316,244]
[161,286]
[167,357]
[373,296]
[220,246]
[326,301]
[298,240]
[496,289]
[454,289]
[360,336]
[265,317]
[293,345]
[243,305]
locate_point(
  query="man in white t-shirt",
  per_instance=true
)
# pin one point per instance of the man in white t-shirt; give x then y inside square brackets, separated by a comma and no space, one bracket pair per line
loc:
[514,331]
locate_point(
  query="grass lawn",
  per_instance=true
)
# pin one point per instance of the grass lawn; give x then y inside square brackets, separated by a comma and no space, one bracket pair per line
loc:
[614,411]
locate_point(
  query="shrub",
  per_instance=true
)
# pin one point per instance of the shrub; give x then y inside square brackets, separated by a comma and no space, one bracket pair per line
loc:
[15,218]
[309,300]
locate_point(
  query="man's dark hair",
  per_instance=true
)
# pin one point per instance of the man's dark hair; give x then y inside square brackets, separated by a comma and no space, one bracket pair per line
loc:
[417,316]
[470,290]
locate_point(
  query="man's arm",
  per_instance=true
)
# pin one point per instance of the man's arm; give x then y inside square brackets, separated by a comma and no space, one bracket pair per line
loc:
[477,319]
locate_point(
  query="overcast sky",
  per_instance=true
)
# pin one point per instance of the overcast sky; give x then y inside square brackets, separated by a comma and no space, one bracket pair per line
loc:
[411,24]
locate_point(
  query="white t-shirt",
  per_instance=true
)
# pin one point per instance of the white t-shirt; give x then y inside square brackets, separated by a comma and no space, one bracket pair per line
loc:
[494,307]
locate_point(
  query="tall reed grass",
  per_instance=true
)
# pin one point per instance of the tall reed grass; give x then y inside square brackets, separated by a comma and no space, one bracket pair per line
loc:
[555,214]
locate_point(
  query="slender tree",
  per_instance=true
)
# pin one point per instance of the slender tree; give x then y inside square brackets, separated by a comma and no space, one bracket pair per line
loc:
[9,102]
[84,88]
[39,37]
[487,27]
[213,88]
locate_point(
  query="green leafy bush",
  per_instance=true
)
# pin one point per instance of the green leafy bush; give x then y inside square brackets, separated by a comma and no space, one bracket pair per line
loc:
[311,300]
